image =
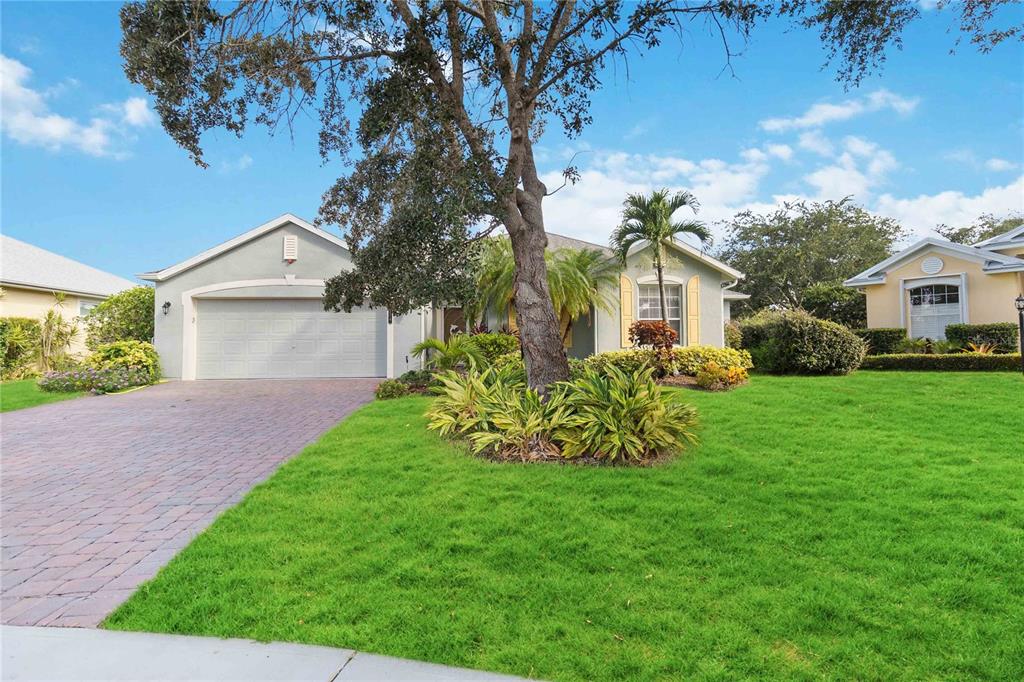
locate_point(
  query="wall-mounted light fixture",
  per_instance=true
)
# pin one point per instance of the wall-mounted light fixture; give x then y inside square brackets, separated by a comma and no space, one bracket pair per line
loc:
[166,307]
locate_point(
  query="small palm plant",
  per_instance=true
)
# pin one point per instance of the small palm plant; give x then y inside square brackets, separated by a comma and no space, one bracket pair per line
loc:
[459,351]
[649,218]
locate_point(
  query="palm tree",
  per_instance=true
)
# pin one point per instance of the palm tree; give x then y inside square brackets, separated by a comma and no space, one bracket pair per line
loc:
[578,279]
[458,350]
[650,219]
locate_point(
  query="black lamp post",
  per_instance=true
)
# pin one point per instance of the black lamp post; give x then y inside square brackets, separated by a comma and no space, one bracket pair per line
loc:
[1019,302]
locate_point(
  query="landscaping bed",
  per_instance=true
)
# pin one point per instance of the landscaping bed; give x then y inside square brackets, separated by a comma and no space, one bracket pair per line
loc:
[823,527]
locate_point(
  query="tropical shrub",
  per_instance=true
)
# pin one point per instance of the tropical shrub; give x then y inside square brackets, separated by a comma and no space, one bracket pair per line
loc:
[19,345]
[686,360]
[391,388]
[1003,335]
[952,362]
[733,335]
[923,346]
[418,380]
[610,416]
[55,337]
[794,342]
[459,351]
[493,345]
[882,340]
[654,334]
[617,416]
[131,354]
[96,380]
[126,316]
[714,377]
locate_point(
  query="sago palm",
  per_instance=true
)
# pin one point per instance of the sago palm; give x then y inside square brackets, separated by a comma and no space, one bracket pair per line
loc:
[458,350]
[578,279]
[649,219]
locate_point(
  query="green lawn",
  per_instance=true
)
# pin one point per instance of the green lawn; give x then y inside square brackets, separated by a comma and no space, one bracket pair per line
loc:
[15,395]
[861,527]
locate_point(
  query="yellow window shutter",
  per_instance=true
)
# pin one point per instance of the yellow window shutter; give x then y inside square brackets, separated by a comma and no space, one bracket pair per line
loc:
[512,326]
[693,311]
[626,308]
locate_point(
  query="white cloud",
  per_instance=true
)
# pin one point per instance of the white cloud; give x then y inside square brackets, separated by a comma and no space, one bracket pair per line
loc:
[781,151]
[27,118]
[814,141]
[240,164]
[861,167]
[824,112]
[922,213]
[1000,165]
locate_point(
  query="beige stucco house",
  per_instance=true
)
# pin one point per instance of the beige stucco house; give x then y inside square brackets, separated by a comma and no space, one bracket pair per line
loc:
[934,283]
[29,277]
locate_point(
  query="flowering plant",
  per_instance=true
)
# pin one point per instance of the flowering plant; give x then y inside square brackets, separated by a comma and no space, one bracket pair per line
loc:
[94,380]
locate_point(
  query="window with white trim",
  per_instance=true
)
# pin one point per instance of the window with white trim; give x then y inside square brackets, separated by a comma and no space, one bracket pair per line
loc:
[932,308]
[650,305]
[85,307]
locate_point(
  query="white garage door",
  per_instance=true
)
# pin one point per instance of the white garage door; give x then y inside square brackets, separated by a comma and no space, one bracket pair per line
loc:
[287,338]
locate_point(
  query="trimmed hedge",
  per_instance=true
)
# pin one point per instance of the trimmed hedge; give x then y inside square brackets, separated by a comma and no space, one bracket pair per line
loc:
[882,340]
[685,360]
[794,342]
[953,362]
[1003,335]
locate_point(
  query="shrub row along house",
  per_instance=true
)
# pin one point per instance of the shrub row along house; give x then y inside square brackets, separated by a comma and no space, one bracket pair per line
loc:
[935,283]
[251,308]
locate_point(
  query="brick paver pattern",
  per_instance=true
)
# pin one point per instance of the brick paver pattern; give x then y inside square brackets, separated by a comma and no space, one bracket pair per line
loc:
[98,493]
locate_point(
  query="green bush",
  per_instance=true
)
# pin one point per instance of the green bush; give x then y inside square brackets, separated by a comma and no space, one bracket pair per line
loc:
[882,340]
[607,415]
[391,388]
[19,346]
[417,379]
[794,342]
[493,345]
[686,360]
[953,362]
[134,354]
[126,316]
[1003,335]
[922,347]
[733,335]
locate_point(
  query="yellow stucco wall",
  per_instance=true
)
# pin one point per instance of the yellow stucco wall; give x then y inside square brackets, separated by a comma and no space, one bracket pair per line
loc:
[17,302]
[989,296]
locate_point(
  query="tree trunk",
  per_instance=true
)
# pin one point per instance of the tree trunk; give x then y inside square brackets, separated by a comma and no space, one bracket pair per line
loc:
[539,330]
[660,267]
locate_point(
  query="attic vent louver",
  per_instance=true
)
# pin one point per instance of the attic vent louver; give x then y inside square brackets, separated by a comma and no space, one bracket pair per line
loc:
[291,249]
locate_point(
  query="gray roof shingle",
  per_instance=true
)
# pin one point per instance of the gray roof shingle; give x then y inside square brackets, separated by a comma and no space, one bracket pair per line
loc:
[31,266]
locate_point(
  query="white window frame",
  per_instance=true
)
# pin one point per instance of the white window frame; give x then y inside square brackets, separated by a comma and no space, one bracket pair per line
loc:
[678,321]
[906,284]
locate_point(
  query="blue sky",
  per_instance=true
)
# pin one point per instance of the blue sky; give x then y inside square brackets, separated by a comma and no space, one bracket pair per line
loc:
[88,172]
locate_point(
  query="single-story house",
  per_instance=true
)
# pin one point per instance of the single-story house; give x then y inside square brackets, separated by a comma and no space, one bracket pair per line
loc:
[251,308]
[934,283]
[30,276]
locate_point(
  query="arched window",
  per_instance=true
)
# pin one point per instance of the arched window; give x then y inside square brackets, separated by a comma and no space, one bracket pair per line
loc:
[932,307]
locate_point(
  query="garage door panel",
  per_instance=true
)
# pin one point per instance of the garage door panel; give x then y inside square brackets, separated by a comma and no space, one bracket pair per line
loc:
[282,338]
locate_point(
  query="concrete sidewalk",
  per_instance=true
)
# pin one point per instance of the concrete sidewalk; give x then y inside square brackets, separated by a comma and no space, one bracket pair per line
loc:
[58,654]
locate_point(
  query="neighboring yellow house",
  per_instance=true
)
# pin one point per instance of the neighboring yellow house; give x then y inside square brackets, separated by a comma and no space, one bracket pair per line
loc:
[934,283]
[29,276]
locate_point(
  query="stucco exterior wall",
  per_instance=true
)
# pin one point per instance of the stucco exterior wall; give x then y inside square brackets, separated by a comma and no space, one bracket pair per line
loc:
[18,302]
[989,296]
[258,259]
[679,268]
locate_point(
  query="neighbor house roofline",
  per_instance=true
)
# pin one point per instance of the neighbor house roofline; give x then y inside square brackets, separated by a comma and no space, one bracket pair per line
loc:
[1014,237]
[990,260]
[270,226]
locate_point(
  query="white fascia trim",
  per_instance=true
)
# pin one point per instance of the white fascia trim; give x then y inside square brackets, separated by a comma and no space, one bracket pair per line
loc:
[51,290]
[188,312]
[693,252]
[730,295]
[1009,238]
[873,276]
[266,227]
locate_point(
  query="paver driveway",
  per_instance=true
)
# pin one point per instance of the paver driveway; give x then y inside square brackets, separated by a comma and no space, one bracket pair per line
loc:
[98,493]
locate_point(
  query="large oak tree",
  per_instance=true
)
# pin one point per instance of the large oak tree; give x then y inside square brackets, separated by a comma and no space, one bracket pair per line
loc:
[445,101]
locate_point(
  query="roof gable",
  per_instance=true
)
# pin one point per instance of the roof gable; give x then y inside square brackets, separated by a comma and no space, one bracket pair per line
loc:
[1006,240]
[990,260]
[244,238]
[28,265]
[694,253]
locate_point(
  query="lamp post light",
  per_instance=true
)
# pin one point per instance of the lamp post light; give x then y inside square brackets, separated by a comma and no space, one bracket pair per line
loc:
[1019,302]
